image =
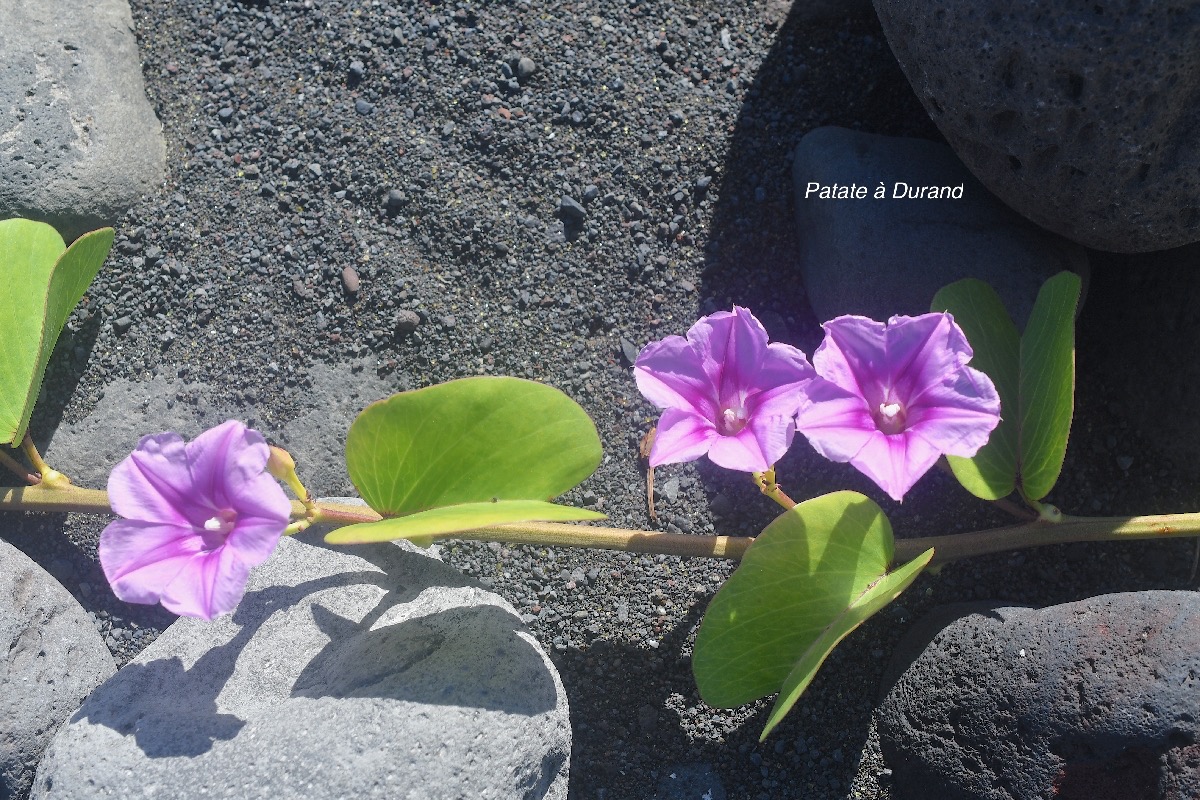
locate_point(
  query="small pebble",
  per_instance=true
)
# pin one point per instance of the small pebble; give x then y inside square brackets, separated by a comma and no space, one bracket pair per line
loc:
[571,209]
[350,280]
[525,68]
[406,321]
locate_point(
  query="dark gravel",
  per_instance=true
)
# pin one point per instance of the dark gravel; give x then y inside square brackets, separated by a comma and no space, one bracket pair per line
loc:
[538,189]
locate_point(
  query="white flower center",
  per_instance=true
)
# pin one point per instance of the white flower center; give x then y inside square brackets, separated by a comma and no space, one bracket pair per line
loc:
[733,419]
[222,522]
[891,417]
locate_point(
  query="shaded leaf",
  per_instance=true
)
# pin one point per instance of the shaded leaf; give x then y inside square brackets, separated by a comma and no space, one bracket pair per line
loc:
[978,310]
[1047,384]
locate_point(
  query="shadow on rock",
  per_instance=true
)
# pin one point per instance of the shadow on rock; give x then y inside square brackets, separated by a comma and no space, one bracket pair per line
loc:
[467,656]
[172,710]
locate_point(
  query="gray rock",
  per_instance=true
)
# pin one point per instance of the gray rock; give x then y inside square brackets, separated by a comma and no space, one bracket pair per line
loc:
[378,672]
[1080,116]
[87,450]
[406,321]
[1094,699]
[51,657]
[79,142]
[571,209]
[526,67]
[885,256]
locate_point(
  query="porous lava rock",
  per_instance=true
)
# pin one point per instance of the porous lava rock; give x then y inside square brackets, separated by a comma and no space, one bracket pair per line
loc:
[79,142]
[1080,115]
[879,256]
[1091,700]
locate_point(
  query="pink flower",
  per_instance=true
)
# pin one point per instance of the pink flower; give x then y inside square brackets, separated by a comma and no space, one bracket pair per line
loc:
[725,391]
[892,399]
[197,517]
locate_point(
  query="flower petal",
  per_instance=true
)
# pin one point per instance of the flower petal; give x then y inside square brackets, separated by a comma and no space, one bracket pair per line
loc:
[834,420]
[853,356]
[254,538]
[731,346]
[922,352]
[957,417]
[681,436]
[895,462]
[212,585]
[670,374]
[153,483]
[228,470]
[772,436]
[782,365]
[742,452]
[141,558]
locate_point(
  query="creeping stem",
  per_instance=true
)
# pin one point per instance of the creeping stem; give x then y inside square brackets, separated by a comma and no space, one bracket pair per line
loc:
[765,481]
[51,478]
[950,547]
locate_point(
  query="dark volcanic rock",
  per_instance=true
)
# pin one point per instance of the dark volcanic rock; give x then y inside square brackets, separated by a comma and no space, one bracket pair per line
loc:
[885,256]
[1094,699]
[1079,115]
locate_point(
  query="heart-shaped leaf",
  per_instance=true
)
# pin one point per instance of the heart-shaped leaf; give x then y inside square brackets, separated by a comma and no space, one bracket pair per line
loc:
[467,454]
[816,573]
[41,280]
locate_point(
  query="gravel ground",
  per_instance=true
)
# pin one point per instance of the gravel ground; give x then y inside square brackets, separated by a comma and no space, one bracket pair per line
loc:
[538,189]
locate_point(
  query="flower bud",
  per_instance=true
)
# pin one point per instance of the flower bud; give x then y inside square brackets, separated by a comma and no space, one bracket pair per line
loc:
[281,465]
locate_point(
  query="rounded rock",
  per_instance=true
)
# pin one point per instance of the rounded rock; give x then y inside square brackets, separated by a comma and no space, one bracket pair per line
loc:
[525,68]
[1051,117]
[1095,699]
[406,322]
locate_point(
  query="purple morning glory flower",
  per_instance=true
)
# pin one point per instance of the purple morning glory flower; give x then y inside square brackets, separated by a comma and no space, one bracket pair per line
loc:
[725,392]
[197,517]
[892,399]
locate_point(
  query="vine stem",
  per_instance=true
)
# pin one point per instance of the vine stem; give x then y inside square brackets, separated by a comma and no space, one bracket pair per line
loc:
[949,547]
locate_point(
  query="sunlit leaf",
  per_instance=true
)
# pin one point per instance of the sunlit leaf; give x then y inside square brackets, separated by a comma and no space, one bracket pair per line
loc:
[814,575]
[41,281]
[468,449]
[456,519]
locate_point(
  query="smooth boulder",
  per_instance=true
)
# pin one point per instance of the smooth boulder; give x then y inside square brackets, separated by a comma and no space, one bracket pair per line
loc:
[1080,115]
[51,658]
[374,672]
[79,142]
[1094,699]
[880,256]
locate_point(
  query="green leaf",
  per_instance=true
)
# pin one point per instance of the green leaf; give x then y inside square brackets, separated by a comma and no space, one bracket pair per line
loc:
[814,574]
[41,280]
[456,519]
[471,444]
[1048,384]
[992,472]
